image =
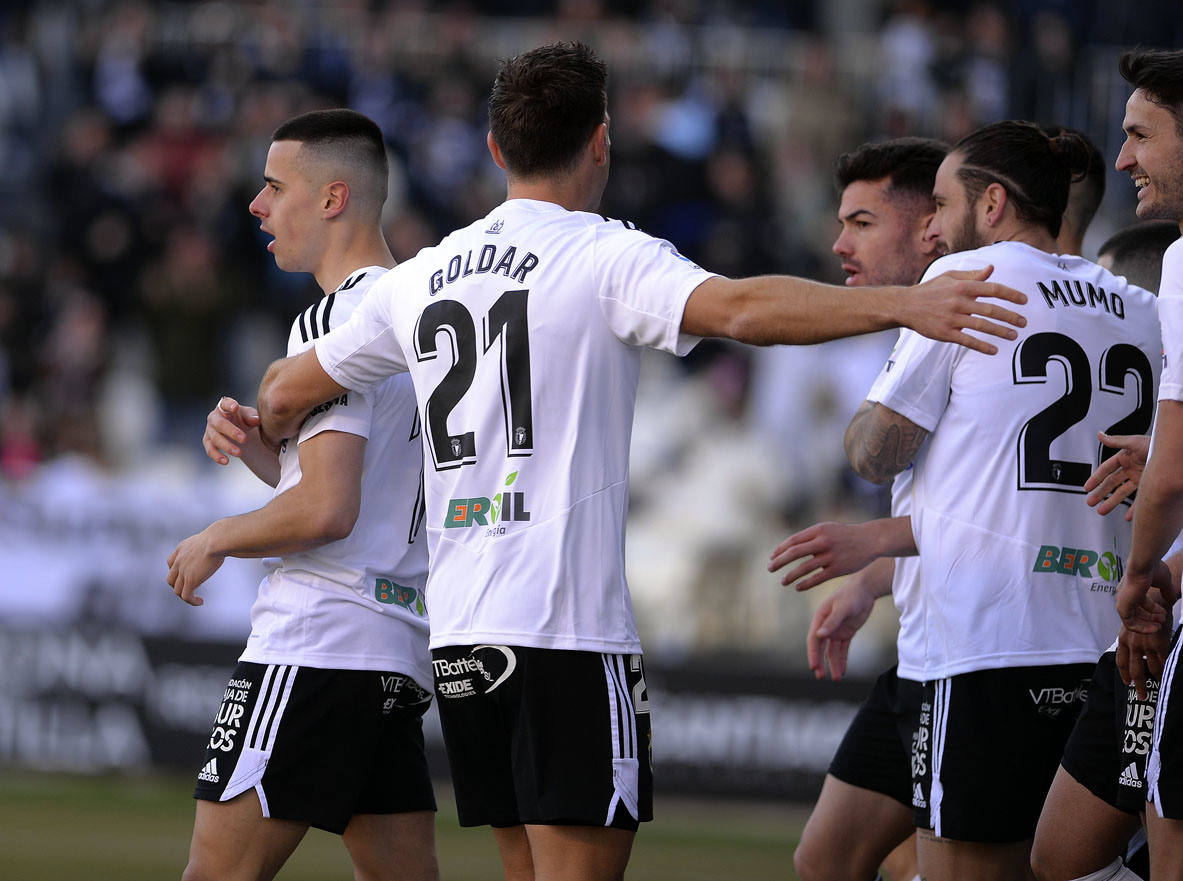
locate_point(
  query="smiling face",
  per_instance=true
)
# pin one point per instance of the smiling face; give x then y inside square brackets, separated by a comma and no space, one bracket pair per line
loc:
[288,208]
[883,239]
[955,223]
[1152,156]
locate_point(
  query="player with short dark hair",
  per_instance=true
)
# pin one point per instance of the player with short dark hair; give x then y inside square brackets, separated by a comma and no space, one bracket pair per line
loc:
[1153,125]
[321,722]
[523,334]
[1137,251]
[1002,637]
[885,210]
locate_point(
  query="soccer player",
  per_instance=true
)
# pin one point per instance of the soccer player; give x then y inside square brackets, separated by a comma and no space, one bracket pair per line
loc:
[1151,156]
[1084,195]
[885,210]
[523,335]
[321,722]
[1015,572]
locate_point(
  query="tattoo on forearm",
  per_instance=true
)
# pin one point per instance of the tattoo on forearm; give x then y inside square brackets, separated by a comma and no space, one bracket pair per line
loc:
[881,443]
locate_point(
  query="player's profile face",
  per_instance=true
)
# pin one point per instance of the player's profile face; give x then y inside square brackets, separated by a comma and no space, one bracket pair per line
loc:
[1151,157]
[882,237]
[954,224]
[287,208]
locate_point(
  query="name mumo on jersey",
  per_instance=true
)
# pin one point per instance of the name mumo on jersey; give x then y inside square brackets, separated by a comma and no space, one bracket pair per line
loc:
[1074,292]
[487,262]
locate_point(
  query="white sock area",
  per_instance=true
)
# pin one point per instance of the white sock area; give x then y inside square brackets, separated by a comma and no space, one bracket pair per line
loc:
[1115,871]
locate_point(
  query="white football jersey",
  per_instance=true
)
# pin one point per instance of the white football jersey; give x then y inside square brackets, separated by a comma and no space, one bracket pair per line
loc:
[1170,311]
[356,603]
[522,333]
[1016,569]
[905,585]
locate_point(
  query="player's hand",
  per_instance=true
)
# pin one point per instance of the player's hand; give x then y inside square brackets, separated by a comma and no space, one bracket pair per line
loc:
[833,549]
[943,308]
[189,565]
[834,624]
[1118,476]
[227,428]
[1144,603]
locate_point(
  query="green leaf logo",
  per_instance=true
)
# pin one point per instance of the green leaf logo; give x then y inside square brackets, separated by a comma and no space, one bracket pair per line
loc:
[512,477]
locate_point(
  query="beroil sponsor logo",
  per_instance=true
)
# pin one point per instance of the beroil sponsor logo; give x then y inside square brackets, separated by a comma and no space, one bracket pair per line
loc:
[491,512]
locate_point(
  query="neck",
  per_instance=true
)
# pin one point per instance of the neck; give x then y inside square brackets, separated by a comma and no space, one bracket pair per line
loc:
[366,248]
[568,191]
[1035,236]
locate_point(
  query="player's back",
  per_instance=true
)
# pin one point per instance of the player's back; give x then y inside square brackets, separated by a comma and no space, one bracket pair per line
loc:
[1016,569]
[523,335]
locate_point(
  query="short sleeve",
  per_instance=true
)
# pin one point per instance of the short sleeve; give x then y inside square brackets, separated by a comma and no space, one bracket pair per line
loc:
[917,378]
[1170,317]
[365,350]
[351,413]
[643,285]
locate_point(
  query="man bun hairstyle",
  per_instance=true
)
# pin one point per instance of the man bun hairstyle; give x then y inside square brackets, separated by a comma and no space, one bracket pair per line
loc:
[545,105]
[1034,169]
[910,163]
[1158,73]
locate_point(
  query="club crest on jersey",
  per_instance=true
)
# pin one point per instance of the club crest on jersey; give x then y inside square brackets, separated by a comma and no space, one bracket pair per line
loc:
[390,593]
[492,513]
[495,227]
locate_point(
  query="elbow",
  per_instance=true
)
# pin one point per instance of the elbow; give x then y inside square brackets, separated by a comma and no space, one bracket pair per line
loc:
[332,523]
[277,395]
[862,462]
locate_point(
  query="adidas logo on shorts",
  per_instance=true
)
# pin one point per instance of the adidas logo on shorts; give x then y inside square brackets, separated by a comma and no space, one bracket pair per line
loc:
[1129,777]
[210,772]
[918,800]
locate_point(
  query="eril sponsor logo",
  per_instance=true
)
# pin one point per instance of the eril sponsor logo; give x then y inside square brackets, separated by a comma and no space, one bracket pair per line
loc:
[1078,561]
[493,513]
[393,594]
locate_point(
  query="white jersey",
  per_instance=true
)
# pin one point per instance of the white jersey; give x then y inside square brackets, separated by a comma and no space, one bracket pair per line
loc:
[1016,569]
[356,603]
[1170,311]
[905,583]
[522,333]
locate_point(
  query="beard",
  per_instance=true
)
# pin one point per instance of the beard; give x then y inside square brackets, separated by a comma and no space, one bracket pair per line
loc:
[965,236]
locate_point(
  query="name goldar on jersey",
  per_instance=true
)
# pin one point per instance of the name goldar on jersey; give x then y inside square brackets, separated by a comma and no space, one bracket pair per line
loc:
[1077,293]
[487,262]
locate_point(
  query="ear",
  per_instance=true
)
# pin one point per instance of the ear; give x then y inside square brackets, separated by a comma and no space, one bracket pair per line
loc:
[495,151]
[335,198]
[993,204]
[600,144]
[928,235]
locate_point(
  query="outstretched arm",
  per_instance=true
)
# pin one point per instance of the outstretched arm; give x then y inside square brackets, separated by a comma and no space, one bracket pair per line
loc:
[321,508]
[1117,477]
[836,549]
[772,309]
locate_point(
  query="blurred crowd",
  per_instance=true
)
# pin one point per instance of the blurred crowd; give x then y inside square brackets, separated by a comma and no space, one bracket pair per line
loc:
[135,287]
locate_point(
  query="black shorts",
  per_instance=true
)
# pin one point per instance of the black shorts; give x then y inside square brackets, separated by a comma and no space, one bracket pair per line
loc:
[985,746]
[1164,767]
[1107,750]
[543,736]
[319,745]
[871,755]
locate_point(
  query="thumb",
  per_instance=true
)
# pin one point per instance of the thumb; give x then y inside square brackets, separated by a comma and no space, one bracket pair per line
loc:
[249,416]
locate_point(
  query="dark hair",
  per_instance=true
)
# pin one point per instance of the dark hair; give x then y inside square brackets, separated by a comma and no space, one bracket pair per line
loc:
[340,131]
[1088,188]
[545,105]
[911,163]
[1137,251]
[1036,170]
[1159,73]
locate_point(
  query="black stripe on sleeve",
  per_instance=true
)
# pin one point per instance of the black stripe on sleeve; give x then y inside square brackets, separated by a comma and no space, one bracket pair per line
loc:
[303,329]
[324,319]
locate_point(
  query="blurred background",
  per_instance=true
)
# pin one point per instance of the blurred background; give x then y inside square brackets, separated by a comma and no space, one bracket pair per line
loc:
[135,289]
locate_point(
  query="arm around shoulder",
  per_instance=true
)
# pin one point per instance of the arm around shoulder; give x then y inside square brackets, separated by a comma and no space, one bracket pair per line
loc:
[291,387]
